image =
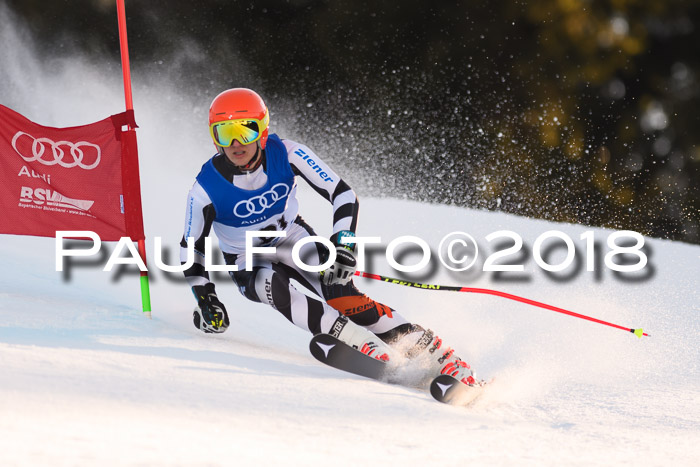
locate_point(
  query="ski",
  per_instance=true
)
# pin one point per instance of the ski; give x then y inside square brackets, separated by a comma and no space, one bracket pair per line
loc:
[333,352]
[451,391]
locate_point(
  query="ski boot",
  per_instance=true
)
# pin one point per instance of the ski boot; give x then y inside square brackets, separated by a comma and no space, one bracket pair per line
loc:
[360,338]
[427,352]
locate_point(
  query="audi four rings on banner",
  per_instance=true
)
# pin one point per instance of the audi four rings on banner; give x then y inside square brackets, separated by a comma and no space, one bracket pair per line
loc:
[39,150]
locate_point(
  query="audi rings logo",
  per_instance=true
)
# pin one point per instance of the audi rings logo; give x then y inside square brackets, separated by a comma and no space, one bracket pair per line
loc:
[82,154]
[258,204]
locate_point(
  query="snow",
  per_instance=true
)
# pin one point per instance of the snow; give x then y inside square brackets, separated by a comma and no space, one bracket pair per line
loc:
[86,379]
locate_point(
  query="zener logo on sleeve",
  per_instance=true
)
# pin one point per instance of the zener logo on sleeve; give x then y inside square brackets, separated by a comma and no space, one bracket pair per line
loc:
[236,207]
[314,165]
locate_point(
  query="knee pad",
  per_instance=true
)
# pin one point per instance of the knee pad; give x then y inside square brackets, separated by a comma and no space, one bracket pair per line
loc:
[360,309]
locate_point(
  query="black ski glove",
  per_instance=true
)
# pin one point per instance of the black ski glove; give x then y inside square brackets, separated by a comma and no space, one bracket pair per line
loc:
[343,269]
[210,314]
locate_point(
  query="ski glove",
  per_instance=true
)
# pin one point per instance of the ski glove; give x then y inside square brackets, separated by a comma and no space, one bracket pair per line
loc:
[343,269]
[210,314]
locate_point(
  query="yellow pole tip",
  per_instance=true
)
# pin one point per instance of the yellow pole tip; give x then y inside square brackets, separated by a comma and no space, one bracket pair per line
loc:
[639,332]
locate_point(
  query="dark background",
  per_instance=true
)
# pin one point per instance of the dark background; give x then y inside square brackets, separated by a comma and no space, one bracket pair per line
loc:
[581,111]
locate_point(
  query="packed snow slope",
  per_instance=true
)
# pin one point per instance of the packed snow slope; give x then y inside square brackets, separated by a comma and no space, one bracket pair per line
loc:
[86,379]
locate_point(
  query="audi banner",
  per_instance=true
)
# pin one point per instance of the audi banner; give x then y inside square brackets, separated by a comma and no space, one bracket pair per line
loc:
[78,178]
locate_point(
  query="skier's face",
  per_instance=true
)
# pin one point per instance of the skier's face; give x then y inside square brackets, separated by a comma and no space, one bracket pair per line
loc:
[241,154]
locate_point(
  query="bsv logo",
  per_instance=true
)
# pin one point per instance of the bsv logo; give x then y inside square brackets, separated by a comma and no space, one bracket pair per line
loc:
[258,204]
[82,154]
[44,196]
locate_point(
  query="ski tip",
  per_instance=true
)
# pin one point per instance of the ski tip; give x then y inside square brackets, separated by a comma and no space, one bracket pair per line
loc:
[451,391]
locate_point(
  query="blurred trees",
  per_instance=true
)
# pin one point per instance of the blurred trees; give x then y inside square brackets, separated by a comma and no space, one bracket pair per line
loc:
[571,110]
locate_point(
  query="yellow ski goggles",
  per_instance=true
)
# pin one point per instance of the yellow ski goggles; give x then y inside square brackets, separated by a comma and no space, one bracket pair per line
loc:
[245,130]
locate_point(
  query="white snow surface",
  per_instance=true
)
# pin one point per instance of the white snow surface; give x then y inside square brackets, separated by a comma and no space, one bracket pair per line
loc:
[86,379]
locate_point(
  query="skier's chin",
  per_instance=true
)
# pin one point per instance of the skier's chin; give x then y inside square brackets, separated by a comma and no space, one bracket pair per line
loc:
[240,160]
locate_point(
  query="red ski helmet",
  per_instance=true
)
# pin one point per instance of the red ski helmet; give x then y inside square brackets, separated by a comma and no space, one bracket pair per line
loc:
[240,114]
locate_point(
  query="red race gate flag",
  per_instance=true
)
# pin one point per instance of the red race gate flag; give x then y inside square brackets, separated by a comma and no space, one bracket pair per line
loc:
[78,178]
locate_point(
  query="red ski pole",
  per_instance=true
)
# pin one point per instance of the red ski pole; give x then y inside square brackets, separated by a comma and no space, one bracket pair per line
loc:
[637,332]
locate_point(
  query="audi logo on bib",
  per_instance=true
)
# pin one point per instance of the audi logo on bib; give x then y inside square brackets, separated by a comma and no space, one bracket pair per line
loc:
[258,204]
[82,154]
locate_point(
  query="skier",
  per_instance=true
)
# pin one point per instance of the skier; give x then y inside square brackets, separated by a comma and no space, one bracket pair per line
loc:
[250,185]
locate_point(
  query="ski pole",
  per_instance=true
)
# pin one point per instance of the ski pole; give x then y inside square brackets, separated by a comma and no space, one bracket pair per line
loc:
[637,332]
